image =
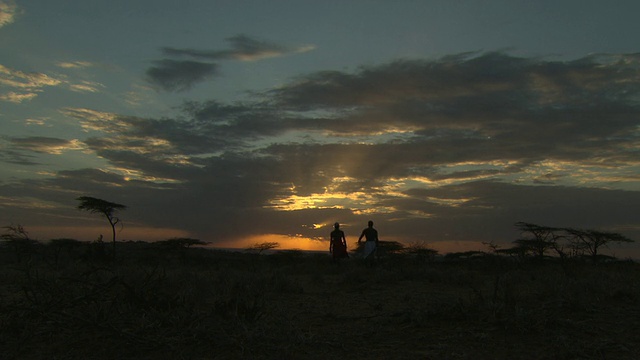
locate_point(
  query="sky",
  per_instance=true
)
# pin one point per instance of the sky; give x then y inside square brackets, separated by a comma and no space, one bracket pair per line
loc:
[238,122]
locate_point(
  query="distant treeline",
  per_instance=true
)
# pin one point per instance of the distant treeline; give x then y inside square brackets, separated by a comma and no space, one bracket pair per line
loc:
[537,242]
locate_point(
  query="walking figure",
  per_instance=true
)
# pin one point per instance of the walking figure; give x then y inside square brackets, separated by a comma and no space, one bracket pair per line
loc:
[338,243]
[371,243]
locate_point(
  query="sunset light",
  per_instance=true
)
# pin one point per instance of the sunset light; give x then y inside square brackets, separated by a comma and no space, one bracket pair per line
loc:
[313,179]
[216,122]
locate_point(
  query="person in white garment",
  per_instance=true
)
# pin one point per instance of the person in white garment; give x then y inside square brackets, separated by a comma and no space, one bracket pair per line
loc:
[371,243]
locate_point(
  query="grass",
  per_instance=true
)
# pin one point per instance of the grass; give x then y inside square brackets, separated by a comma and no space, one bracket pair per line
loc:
[157,303]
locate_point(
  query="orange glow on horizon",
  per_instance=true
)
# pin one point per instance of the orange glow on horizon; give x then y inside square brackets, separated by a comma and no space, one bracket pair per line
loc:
[302,243]
[286,242]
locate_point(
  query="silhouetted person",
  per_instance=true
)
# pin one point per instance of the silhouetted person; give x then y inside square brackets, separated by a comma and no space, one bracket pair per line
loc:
[371,243]
[338,243]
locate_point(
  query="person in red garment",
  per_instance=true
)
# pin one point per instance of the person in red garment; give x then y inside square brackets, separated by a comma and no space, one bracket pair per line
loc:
[338,243]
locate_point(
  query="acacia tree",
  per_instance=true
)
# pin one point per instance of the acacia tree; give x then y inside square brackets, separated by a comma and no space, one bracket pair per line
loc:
[18,238]
[106,208]
[263,246]
[182,243]
[544,238]
[593,240]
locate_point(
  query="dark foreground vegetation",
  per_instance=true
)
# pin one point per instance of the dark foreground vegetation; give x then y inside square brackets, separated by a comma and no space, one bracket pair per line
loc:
[169,300]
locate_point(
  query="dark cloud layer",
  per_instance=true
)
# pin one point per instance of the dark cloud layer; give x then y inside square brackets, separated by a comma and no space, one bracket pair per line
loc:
[40,143]
[457,148]
[243,47]
[180,75]
[20,150]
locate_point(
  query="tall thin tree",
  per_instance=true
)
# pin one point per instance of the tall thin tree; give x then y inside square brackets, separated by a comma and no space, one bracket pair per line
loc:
[106,208]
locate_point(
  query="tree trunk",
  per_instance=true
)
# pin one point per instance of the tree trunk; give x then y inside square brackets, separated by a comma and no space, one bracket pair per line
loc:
[113,231]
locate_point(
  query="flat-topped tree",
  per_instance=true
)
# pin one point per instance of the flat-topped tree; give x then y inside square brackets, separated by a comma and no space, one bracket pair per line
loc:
[263,246]
[593,240]
[106,208]
[544,238]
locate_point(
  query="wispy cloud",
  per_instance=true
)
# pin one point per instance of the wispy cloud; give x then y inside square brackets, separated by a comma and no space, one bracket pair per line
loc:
[442,147]
[28,81]
[414,118]
[92,120]
[46,145]
[242,48]
[74,64]
[17,98]
[181,75]
[37,122]
[8,12]
[26,86]
[86,86]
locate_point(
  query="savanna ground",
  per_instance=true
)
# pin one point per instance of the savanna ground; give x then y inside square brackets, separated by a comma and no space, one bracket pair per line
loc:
[67,301]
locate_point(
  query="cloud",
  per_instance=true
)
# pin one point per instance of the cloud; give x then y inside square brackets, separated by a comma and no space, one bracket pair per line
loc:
[175,75]
[92,120]
[74,64]
[17,98]
[8,12]
[27,85]
[487,211]
[86,86]
[243,48]
[492,104]
[23,80]
[46,145]
[181,75]
[38,121]
[449,149]
[18,150]
[11,156]
[456,119]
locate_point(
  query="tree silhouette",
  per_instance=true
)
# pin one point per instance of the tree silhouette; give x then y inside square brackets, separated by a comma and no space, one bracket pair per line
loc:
[263,246]
[18,238]
[544,239]
[106,208]
[592,240]
[181,243]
